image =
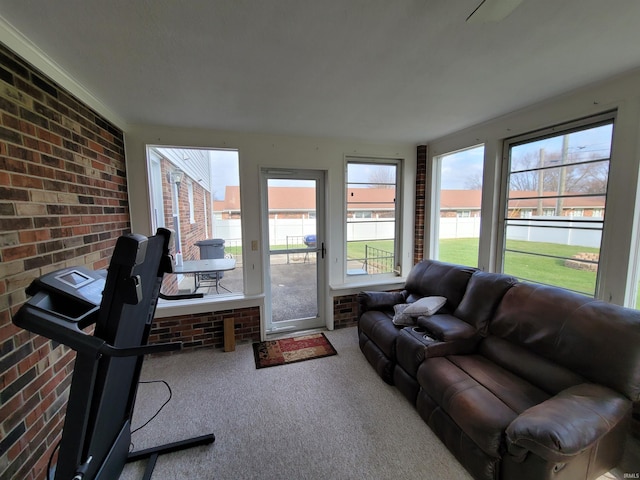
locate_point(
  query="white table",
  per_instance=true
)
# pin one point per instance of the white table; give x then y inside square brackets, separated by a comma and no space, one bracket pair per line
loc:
[210,267]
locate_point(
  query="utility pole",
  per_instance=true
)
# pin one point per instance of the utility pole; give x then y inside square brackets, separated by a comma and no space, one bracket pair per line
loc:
[540,183]
[562,182]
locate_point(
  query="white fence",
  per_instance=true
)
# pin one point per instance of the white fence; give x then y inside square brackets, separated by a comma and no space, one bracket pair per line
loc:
[565,232]
[463,227]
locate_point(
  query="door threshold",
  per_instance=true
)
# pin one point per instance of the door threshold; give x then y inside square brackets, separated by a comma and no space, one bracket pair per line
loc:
[286,332]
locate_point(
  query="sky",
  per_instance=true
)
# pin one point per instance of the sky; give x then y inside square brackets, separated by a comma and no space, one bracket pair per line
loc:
[458,167]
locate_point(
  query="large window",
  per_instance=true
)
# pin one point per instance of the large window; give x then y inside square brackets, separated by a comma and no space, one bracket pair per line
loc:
[373,229]
[556,191]
[460,201]
[195,193]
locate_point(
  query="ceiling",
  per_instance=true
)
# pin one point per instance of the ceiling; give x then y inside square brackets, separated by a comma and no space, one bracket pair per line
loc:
[400,70]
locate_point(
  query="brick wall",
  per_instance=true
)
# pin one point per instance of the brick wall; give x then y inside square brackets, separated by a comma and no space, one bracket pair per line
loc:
[345,311]
[206,330]
[63,202]
[190,233]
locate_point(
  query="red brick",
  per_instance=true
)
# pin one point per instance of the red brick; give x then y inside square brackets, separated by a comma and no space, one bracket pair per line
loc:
[31,236]
[16,253]
[25,181]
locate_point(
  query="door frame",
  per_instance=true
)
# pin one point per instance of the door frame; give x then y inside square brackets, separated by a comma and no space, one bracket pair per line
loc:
[320,176]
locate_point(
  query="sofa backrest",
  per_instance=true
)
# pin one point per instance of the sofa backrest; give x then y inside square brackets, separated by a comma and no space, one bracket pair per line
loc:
[435,278]
[481,298]
[594,339]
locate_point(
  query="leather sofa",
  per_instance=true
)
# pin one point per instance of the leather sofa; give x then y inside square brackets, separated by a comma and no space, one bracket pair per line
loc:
[519,381]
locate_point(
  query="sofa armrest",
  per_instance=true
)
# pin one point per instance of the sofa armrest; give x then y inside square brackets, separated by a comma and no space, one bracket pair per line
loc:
[445,327]
[463,346]
[568,423]
[379,300]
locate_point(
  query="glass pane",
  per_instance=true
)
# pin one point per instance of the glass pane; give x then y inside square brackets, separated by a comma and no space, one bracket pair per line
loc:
[573,275]
[371,214]
[371,174]
[578,208]
[460,206]
[581,146]
[587,178]
[200,192]
[555,208]
[292,245]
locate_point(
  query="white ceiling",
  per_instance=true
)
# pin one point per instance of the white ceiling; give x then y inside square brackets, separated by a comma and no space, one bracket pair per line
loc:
[388,70]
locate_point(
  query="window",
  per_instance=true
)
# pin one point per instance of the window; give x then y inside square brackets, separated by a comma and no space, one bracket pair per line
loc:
[195,192]
[459,192]
[192,209]
[559,178]
[373,232]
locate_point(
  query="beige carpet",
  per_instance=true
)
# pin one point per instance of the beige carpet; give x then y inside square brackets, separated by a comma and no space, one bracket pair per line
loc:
[328,418]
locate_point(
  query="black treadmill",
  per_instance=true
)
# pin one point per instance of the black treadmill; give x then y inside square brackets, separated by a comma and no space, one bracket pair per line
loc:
[121,302]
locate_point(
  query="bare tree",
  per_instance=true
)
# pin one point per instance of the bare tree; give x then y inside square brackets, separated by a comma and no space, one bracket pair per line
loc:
[473,181]
[382,176]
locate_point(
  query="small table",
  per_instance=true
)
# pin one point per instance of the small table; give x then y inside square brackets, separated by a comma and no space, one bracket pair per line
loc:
[211,267]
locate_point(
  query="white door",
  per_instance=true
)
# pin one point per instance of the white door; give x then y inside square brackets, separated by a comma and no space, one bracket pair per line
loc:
[293,208]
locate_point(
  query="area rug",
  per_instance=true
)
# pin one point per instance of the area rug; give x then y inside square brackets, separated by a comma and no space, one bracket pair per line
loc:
[291,350]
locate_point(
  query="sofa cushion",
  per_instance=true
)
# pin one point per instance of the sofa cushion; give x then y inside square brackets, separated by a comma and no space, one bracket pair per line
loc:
[546,375]
[574,331]
[481,298]
[379,328]
[481,397]
[434,278]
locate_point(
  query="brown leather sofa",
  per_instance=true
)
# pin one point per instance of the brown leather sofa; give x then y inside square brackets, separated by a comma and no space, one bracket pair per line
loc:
[519,381]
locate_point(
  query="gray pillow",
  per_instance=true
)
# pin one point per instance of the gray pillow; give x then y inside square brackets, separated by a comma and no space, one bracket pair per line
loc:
[400,318]
[425,306]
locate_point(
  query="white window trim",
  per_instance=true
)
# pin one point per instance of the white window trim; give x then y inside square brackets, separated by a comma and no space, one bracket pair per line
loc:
[364,279]
[567,127]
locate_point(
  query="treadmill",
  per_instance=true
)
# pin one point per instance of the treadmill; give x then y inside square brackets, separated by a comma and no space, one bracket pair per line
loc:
[121,303]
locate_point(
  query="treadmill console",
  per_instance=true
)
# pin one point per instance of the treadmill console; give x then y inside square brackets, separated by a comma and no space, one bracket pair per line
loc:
[69,297]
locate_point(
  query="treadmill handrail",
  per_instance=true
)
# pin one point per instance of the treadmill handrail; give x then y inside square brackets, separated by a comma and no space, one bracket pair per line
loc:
[111,351]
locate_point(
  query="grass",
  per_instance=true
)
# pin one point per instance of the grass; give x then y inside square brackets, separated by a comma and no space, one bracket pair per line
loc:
[464,251]
[528,265]
[542,269]
[356,250]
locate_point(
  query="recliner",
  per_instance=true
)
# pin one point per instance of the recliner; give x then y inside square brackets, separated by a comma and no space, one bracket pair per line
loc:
[517,380]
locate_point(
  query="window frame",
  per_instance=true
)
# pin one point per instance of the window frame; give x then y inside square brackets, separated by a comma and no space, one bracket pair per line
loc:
[436,209]
[398,164]
[586,123]
[191,178]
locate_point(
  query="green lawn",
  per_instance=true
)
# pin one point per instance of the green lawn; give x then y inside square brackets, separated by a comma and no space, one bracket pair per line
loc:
[542,269]
[356,250]
[526,266]
[464,251]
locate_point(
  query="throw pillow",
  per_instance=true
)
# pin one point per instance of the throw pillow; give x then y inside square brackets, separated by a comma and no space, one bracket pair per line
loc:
[425,306]
[400,318]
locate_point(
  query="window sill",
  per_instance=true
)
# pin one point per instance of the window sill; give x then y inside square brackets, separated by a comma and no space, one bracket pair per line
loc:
[172,308]
[366,282]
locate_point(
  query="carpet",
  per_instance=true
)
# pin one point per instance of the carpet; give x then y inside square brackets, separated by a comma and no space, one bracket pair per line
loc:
[291,350]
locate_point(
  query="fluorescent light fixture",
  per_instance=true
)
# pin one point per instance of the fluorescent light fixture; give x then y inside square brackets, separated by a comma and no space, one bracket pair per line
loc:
[493,10]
